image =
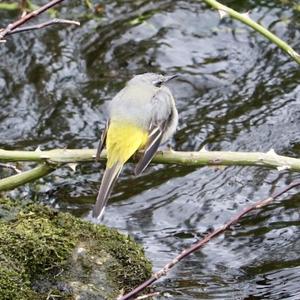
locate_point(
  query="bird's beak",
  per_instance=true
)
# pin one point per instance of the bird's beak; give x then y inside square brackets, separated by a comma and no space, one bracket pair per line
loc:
[168,78]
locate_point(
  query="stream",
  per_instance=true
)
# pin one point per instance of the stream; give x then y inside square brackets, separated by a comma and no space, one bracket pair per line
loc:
[236,92]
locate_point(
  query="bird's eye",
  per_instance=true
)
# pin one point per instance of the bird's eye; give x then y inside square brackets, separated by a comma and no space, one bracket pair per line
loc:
[157,83]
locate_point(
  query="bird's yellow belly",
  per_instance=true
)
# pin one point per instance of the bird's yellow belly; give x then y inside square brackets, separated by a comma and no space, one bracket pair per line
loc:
[122,141]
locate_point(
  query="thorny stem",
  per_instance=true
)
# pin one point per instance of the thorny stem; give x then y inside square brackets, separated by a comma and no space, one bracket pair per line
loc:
[203,157]
[60,157]
[257,27]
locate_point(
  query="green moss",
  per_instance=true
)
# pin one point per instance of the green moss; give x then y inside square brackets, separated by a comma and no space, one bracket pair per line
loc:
[14,283]
[38,242]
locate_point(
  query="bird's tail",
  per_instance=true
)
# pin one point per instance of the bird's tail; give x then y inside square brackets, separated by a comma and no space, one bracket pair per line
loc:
[109,178]
[122,141]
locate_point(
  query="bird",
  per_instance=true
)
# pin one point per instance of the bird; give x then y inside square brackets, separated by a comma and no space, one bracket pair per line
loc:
[141,117]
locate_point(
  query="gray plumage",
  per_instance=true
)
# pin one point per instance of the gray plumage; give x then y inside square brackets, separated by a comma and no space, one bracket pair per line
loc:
[147,103]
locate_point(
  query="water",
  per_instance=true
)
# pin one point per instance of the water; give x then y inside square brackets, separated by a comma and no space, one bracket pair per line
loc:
[236,92]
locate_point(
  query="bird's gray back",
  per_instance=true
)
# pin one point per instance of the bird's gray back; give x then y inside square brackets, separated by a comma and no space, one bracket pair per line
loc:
[141,104]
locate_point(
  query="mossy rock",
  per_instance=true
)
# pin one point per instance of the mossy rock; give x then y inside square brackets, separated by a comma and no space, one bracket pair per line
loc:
[44,252]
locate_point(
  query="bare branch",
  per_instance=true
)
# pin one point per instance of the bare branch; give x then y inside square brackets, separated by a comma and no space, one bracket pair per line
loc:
[206,239]
[43,25]
[11,28]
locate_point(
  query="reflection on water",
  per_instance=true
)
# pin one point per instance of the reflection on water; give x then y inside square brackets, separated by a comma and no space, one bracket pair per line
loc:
[236,92]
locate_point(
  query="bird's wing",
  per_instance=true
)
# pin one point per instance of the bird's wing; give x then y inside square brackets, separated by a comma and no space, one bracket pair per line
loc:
[161,113]
[102,142]
[154,139]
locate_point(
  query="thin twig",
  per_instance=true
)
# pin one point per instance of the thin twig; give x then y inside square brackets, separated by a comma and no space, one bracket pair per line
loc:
[206,239]
[11,28]
[43,25]
[12,167]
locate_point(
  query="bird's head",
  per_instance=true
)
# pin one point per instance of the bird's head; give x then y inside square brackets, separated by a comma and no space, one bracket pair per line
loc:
[153,79]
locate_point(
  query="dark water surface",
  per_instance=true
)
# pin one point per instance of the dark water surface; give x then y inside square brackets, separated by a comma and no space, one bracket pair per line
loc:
[237,92]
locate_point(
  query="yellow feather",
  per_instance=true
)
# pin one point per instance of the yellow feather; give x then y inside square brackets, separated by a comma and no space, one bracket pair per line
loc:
[123,140]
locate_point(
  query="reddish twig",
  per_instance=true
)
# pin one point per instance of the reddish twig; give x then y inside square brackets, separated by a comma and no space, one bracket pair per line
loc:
[11,28]
[206,239]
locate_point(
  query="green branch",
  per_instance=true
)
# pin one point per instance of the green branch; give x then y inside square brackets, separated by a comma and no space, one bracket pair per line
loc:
[200,158]
[257,27]
[53,156]
[52,159]
[222,158]
[14,181]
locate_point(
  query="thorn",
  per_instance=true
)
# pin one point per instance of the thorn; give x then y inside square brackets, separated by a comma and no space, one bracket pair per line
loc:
[246,14]
[38,149]
[72,166]
[282,168]
[271,152]
[203,149]
[293,53]
[222,13]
